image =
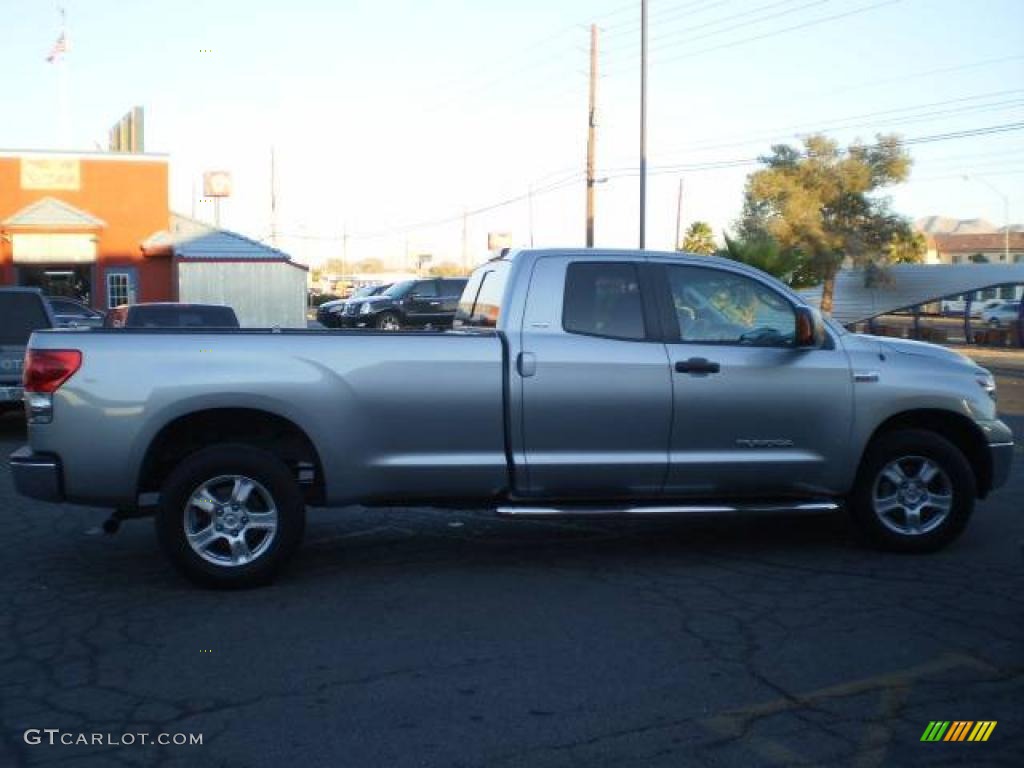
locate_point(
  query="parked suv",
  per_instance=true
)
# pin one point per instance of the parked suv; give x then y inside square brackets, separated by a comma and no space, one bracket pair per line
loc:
[408,304]
[329,313]
[22,311]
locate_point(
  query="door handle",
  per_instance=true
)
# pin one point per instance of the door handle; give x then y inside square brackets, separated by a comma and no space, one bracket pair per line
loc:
[526,363]
[435,303]
[697,365]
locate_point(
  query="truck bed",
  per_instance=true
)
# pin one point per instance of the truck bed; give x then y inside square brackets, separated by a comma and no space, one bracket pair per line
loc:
[386,410]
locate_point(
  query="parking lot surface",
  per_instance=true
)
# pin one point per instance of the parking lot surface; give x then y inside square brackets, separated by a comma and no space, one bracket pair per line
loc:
[414,637]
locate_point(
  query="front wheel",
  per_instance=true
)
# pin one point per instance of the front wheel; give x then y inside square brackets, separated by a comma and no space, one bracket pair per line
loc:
[915,492]
[230,516]
[389,321]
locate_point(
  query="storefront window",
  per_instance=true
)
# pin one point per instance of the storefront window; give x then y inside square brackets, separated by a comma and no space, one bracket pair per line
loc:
[117,289]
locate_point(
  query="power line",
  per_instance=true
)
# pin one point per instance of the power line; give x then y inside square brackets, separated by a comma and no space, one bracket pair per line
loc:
[773,33]
[739,162]
[687,32]
[627,172]
[840,124]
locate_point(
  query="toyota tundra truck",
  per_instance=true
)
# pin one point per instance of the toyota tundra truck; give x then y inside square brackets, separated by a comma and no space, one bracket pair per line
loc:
[574,382]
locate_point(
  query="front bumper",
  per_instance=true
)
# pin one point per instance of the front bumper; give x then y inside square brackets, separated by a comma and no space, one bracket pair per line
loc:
[37,475]
[9,395]
[357,321]
[1002,459]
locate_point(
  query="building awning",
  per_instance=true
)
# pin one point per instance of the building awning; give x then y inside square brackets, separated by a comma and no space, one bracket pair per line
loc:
[49,213]
[908,285]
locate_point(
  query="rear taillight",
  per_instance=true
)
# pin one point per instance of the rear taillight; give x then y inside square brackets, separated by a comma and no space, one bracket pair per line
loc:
[44,372]
[47,369]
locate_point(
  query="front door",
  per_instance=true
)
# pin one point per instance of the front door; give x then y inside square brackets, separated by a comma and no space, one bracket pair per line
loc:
[423,304]
[754,414]
[594,384]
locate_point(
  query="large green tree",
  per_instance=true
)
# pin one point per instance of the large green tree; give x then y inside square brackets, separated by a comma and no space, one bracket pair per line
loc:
[820,200]
[699,238]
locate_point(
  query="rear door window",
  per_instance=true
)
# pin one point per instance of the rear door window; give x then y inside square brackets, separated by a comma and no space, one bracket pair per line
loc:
[603,299]
[480,305]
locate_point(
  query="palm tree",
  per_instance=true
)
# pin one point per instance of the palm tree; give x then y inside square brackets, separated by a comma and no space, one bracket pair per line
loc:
[766,254]
[699,238]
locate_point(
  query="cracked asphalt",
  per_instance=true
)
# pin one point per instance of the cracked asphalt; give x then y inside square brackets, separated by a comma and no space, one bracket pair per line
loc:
[414,637]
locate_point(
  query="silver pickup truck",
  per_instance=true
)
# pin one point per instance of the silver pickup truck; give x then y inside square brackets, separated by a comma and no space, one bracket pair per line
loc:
[575,382]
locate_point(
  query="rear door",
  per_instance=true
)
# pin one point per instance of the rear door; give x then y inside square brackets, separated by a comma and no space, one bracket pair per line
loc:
[451,291]
[596,392]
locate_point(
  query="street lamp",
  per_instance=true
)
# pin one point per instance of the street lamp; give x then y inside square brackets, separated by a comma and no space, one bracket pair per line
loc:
[1006,213]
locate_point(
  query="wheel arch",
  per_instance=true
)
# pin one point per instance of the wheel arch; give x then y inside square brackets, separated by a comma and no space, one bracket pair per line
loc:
[954,427]
[190,432]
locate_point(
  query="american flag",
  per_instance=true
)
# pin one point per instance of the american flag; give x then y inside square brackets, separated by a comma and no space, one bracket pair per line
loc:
[60,47]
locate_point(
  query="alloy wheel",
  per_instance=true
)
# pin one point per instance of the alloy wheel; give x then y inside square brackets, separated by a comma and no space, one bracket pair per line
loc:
[912,495]
[230,520]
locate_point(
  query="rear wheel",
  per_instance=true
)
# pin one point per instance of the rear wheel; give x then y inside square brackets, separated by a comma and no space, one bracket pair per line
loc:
[389,321]
[230,516]
[915,492]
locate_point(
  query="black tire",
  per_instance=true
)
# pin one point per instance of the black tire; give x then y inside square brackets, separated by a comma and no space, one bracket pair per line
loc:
[388,321]
[913,447]
[272,477]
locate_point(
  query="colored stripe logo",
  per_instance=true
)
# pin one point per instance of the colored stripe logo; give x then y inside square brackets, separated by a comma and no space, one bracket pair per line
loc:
[958,730]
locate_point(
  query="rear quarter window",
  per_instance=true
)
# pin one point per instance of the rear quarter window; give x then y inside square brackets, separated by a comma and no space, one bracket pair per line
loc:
[481,302]
[20,314]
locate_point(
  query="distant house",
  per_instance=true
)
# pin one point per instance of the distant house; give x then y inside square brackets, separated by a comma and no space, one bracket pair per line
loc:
[988,248]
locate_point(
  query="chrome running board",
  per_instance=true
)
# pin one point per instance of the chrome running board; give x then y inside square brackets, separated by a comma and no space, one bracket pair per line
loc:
[809,507]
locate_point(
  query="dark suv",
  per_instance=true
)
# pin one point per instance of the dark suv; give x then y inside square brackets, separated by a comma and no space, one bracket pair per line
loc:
[22,311]
[330,313]
[408,304]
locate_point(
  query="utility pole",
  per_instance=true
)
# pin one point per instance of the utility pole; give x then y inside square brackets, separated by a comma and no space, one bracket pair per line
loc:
[643,123]
[591,135]
[273,199]
[679,217]
[344,248]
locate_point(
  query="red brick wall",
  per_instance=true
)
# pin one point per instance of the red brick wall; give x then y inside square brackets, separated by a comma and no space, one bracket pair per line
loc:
[131,196]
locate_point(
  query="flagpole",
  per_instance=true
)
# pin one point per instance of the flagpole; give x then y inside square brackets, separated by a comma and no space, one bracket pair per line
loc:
[63,89]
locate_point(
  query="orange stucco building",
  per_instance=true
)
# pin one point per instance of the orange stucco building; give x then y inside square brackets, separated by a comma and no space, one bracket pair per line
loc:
[74,223]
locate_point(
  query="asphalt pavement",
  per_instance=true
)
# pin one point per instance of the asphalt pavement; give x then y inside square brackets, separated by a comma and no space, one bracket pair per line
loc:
[415,637]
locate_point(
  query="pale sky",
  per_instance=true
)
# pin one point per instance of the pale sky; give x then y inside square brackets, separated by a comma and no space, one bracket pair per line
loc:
[390,114]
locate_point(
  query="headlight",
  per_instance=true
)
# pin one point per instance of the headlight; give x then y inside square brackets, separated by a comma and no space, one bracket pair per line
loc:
[337,309]
[987,382]
[364,309]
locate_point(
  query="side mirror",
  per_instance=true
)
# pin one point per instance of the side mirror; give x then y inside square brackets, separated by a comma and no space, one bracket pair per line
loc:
[810,328]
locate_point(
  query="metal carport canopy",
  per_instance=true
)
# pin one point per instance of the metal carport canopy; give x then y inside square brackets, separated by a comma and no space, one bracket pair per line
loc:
[907,285]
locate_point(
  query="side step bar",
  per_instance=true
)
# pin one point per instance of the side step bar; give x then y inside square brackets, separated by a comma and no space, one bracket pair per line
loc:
[810,507]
